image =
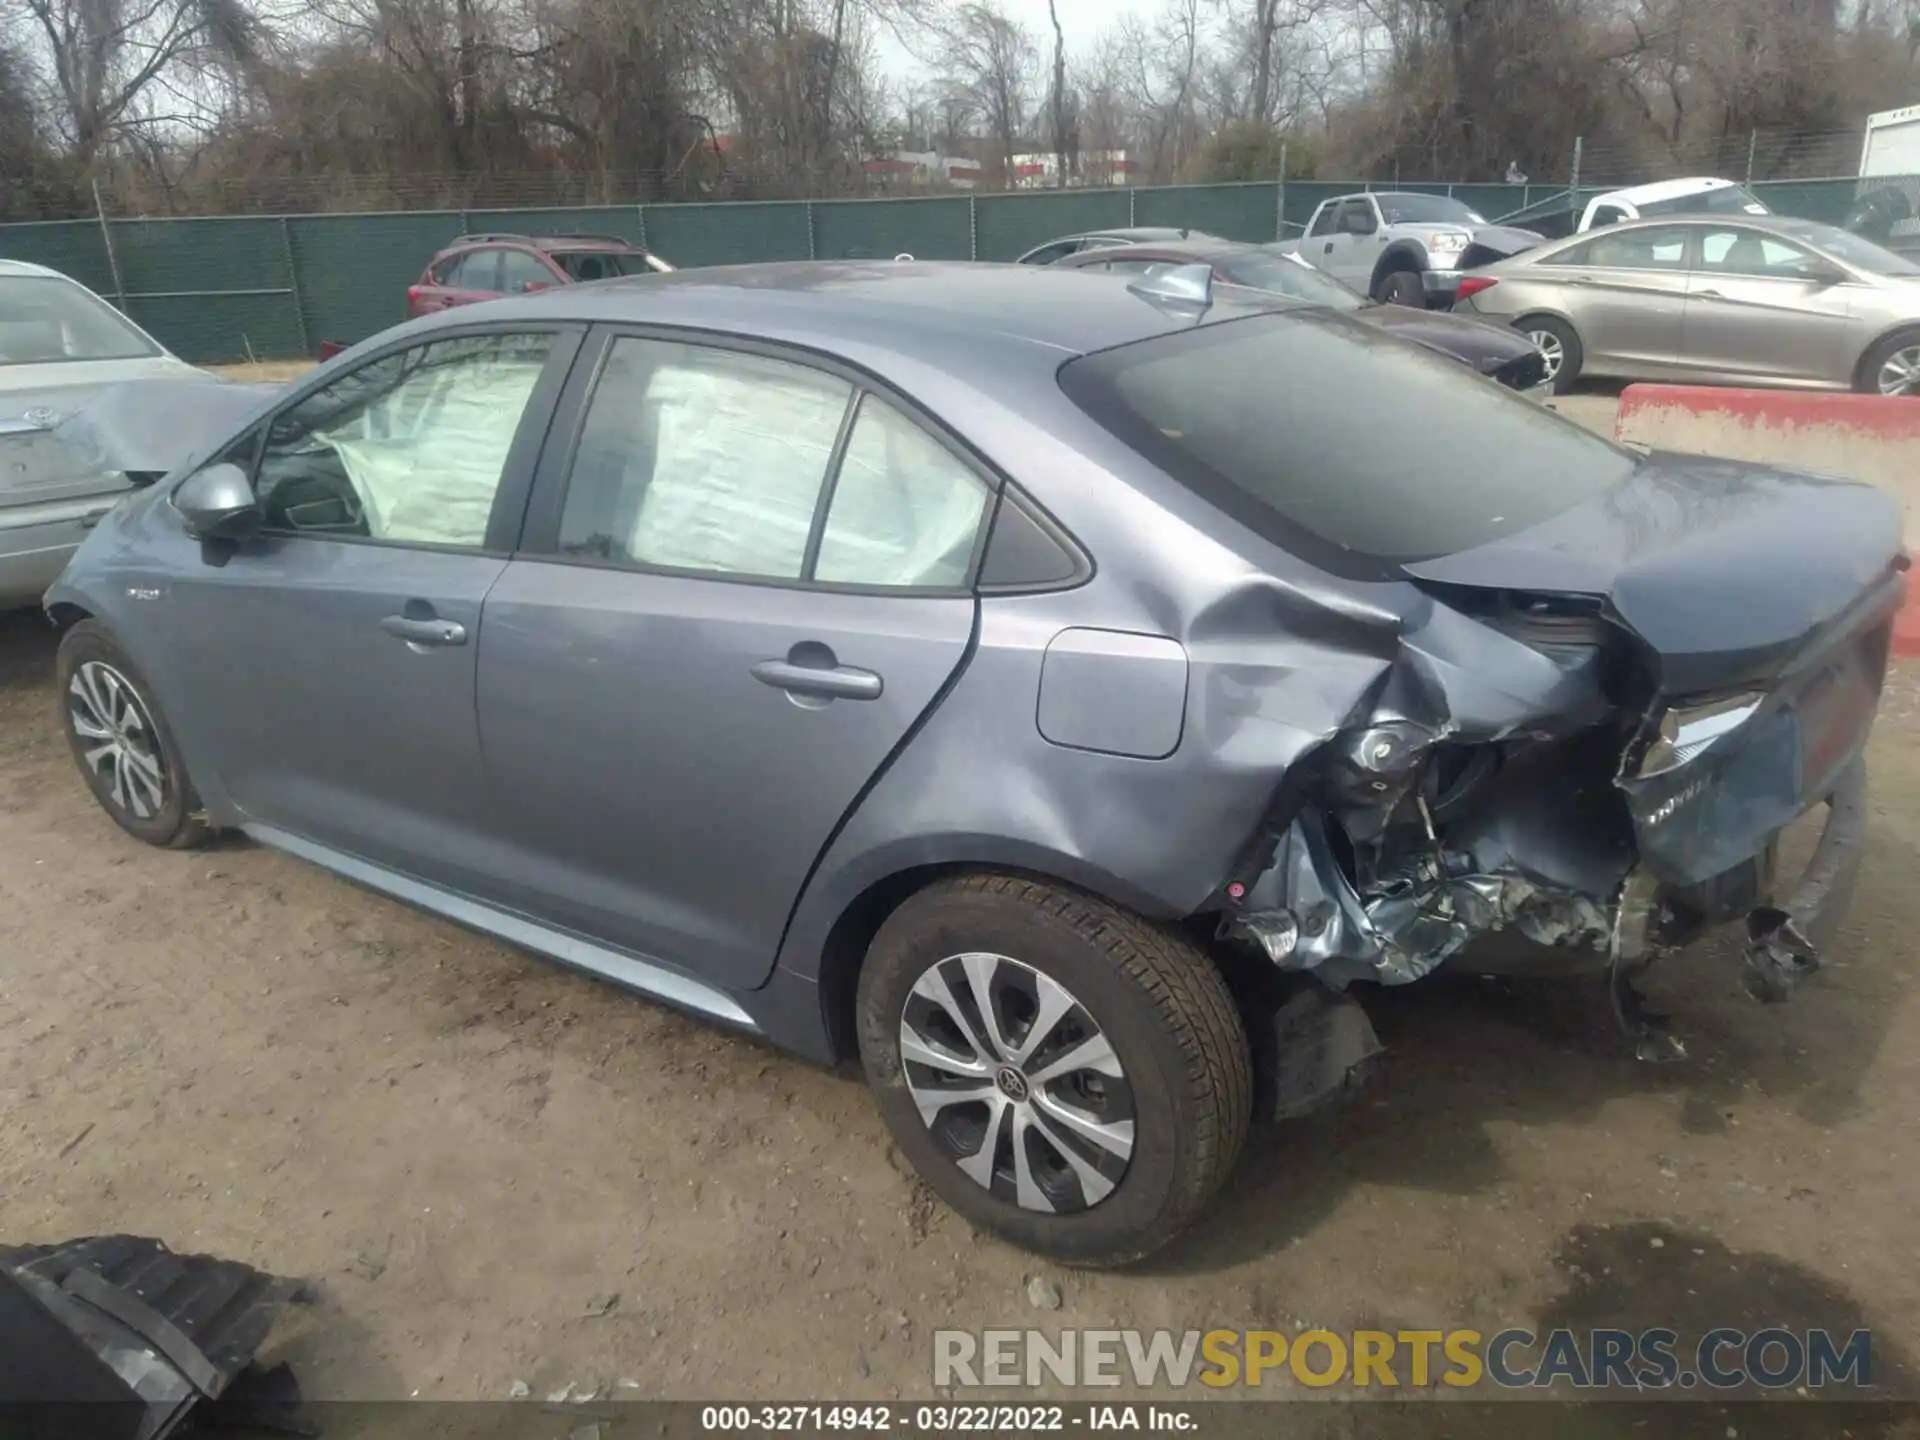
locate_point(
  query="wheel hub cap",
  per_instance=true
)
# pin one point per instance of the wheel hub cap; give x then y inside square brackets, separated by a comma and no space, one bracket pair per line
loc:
[117,740]
[1016,1083]
[1549,346]
[1900,374]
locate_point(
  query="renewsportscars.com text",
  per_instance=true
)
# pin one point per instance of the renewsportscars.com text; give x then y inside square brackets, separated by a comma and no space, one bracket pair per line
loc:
[1600,1359]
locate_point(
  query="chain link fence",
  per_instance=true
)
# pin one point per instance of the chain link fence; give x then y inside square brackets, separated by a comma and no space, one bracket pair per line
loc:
[233,288]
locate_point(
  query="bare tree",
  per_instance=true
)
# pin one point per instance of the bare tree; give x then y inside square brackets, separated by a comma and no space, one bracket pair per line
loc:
[1057,100]
[105,55]
[991,59]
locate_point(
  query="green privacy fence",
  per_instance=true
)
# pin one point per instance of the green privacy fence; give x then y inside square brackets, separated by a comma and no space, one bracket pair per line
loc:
[225,288]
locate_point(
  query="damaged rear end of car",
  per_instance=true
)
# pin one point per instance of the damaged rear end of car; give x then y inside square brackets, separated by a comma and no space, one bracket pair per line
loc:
[1570,696]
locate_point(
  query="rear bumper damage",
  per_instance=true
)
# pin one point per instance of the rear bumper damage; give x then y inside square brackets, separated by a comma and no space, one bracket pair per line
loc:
[1592,851]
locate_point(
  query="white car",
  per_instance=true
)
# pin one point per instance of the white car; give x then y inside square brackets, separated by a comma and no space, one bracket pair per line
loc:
[64,352]
[1695,195]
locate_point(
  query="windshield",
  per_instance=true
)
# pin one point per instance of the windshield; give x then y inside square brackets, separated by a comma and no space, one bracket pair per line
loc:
[45,318]
[601,264]
[1277,420]
[1844,245]
[1725,200]
[1263,270]
[1426,209]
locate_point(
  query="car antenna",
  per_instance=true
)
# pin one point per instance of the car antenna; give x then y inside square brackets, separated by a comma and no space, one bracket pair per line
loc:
[1178,285]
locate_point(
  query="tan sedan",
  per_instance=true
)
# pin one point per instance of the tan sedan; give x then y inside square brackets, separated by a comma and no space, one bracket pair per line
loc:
[1723,299]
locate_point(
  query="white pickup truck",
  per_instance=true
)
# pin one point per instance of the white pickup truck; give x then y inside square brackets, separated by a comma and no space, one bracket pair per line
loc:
[1404,248]
[1695,195]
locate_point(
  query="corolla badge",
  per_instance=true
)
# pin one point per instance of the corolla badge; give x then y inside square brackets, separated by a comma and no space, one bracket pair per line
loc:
[39,415]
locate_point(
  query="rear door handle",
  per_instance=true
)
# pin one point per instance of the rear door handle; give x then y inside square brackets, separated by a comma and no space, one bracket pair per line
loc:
[1708,295]
[838,682]
[425,632]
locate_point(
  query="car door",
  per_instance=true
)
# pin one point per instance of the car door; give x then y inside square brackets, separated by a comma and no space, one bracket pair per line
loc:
[477,277]
[743,583]
[335,653]
[1626,293]
[1350,251]
[1759,305]
[521,271]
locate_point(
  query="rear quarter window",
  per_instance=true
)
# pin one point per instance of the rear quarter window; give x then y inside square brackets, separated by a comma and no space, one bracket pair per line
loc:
[1353,450]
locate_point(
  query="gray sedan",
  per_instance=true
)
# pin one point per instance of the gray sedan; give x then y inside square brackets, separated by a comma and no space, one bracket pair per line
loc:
[1054,689]
[1723,299]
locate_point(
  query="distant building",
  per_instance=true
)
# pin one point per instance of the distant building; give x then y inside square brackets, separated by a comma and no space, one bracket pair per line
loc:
[916,169]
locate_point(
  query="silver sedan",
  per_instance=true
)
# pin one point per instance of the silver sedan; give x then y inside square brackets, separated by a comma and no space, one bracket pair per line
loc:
[1740,299]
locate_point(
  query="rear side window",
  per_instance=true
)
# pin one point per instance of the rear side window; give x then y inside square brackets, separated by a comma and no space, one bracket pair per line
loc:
[476,270]
[1351,449]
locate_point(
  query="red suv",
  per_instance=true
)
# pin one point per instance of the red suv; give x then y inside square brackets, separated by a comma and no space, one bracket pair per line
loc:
[483,267]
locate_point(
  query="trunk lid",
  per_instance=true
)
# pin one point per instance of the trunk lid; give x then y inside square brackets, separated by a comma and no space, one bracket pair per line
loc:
[1762,601]
[1725,569]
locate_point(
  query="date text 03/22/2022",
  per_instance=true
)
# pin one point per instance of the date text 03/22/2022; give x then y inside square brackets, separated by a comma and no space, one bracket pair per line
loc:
[945,1419]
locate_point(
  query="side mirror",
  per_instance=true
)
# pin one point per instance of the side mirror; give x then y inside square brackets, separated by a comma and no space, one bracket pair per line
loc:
[527,287]
[217,504]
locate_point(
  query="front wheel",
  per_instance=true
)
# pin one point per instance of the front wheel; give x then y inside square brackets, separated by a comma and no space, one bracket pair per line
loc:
[1061,1072]
[1401,287]
[1558,345]
[1892,367]
[121,742]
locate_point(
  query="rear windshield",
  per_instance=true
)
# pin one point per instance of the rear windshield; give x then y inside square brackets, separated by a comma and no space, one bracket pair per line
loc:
[44,318]
[600,264]
[1347,447]
[1263,270]
[1845,245]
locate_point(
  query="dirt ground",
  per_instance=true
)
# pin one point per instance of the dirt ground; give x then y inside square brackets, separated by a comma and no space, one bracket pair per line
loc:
[496,1171]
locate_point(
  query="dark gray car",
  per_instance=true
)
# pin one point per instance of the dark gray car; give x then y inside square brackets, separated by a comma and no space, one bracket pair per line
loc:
[991,671]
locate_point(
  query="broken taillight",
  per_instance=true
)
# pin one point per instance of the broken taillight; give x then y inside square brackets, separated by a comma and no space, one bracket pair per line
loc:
[1471,285]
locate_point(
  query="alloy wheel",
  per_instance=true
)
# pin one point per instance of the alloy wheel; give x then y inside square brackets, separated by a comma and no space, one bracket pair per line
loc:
[1900,372]
[1550,347]
[120,746]
[1016,1082]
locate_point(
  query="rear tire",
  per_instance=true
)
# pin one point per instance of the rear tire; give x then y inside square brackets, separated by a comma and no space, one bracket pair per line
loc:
[121,742]
[1401,287]
[1561,346]
[1893,361]
[982,987]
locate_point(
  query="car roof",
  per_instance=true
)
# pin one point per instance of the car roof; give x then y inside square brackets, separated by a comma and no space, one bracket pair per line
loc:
[1201,247]
[545,242]
[27,267]
[914,312]
[1668,189]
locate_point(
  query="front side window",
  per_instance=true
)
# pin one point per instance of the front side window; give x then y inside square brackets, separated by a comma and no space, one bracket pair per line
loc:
[696,458]
[521,272]
[46,318]
[905,511]
[1047,254]
[410,447]
[478,270]
[586,265]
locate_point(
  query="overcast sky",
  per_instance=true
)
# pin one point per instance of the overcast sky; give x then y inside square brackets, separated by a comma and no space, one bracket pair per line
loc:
[1080,20]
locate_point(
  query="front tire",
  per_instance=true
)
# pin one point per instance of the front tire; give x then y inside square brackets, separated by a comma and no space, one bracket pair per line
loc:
[121,742]
[1892,367]
[1401,287]
[1061,1072]
[1561,346]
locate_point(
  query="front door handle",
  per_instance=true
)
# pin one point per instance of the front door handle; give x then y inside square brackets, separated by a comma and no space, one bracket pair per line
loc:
[416,631]
[835,682]
[1708,295]
[1329,249]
